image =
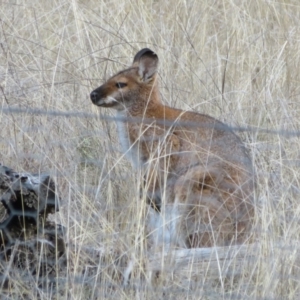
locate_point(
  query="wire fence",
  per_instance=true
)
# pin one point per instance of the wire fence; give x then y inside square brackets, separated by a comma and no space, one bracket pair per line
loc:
[54,113]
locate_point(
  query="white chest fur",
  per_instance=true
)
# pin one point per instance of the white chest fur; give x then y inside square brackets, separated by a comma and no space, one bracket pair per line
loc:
[130,150]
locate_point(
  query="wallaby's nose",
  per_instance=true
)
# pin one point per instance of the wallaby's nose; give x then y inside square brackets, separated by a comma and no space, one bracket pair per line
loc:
[94,96]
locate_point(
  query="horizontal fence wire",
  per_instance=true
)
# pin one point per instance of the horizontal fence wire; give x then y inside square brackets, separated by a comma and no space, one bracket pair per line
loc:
[74,114]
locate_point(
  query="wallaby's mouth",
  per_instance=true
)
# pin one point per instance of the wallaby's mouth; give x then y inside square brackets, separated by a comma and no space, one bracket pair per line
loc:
[102,101]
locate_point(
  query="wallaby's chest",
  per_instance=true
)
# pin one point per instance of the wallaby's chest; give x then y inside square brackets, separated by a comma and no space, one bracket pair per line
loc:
[129,143]
[141,142]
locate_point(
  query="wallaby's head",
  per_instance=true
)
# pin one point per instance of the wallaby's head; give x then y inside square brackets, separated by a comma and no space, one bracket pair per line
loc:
[130,86]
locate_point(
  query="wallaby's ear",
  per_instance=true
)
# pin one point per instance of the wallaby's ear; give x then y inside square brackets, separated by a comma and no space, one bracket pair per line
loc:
[147,61]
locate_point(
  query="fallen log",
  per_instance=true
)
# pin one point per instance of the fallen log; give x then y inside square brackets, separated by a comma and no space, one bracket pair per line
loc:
[29,243]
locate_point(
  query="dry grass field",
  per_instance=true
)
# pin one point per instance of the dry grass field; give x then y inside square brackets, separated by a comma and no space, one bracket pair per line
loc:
[238,61]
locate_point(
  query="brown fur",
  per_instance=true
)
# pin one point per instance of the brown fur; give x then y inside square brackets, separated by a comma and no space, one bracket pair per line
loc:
[196,169]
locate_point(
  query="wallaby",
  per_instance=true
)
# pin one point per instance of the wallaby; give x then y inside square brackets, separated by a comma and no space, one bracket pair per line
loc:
[197,172]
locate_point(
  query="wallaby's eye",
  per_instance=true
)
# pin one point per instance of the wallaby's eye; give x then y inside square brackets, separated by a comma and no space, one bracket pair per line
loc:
[120,85]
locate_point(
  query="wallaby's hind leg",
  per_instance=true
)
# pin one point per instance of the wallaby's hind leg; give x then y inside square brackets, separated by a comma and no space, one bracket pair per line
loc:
[214,210]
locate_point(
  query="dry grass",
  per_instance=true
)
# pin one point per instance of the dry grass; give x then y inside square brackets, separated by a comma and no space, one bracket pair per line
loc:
[236,60]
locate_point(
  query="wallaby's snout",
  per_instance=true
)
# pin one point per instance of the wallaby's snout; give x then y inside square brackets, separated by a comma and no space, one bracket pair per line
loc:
[100,98]
[97,96]
[94,96]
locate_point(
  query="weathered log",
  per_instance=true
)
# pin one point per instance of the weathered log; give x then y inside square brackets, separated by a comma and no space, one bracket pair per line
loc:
[23,193]
[29,243]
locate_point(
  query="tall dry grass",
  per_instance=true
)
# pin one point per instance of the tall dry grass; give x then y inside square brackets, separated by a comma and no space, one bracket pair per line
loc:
[238,61]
